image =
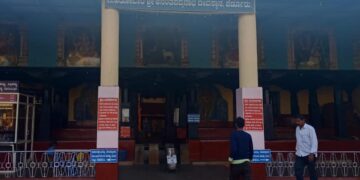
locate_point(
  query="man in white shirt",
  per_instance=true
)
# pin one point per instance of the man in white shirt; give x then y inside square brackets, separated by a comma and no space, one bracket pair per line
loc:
[306,149]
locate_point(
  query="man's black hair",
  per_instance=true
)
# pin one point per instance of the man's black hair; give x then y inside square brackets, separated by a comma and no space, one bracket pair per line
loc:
[301,117]
[239,122]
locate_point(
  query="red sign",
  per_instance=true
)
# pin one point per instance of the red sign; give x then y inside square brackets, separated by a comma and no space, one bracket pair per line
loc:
[125,132]
[253,114]
[108,114]
[8,98]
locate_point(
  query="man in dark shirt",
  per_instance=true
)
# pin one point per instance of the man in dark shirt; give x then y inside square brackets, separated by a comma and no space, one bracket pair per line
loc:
[241,151]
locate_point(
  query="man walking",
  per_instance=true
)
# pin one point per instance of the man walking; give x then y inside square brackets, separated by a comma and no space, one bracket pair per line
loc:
[306,149]
[241,152]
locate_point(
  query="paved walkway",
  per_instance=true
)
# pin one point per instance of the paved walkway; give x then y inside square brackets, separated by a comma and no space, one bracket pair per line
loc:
[182,173]
[147,172]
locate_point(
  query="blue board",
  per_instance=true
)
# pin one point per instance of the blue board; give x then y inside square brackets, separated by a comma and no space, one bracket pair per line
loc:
[193,118]
[262,156]
[178,6]
[104,156]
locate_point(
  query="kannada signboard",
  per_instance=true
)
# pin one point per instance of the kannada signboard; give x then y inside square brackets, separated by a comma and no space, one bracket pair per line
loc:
[9,86]
[249,105]
[193,118]
[262,156]
[104,156]
[253,114]
[186,6]
[107,135]
[108,114]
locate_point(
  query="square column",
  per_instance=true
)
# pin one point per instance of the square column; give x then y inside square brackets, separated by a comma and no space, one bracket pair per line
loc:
[108,95]
[249,98]
[248,66]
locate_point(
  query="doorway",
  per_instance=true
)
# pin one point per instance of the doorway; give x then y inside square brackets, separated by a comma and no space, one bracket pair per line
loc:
[151,119]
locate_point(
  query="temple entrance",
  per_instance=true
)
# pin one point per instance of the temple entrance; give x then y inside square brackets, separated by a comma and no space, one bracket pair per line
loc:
[153,127]
[151,119]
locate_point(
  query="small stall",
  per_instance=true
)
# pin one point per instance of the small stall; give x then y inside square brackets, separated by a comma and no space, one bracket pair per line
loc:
[17,119]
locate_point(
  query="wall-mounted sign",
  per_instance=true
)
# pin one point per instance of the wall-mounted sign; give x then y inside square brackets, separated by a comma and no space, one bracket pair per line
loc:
[125,132]
[262,156]
[193,118]
[125,115]
[108,113]
[104,156]
[249,105]
[253,114]
[107,135]
[186,6]
[9,86]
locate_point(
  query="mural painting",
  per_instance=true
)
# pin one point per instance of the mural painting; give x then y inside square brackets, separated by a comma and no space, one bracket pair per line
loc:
[225,51]
[312,49]
[161,47]
[213,106]
[83,105]
[13,45]
[79,46]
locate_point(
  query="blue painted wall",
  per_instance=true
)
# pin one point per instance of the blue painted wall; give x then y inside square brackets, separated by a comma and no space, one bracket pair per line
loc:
[42,36]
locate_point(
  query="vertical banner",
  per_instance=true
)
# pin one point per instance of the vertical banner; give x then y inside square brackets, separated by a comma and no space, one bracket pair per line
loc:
[249,105]
[108,118]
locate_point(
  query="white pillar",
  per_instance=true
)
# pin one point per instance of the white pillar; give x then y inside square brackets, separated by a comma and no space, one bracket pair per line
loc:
[109,46]
[249,96]
[248,66]
[108,94]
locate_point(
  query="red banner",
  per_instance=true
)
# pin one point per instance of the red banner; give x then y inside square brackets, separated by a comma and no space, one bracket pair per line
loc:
[108,114]
[253,114]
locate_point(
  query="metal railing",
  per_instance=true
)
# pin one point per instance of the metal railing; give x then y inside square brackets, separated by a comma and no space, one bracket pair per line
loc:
[328,164]
[57,163]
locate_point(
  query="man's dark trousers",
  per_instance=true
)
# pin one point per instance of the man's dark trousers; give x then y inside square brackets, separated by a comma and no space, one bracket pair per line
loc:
[242,170]
[300,164]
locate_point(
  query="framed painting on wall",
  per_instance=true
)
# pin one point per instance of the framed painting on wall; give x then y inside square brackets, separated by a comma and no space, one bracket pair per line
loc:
[78,46]
[83,105]
[312,49]
[161,47]
[13,44]
[225,49]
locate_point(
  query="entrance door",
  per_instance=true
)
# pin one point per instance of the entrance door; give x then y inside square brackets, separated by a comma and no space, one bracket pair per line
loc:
[151,120]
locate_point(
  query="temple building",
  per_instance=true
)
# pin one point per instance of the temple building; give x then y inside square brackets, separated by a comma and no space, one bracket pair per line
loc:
[171,65]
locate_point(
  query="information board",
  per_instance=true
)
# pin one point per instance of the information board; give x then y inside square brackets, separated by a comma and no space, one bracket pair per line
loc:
[253,114]
[184,6]
[125,132]
[193,118]
[9,86]
[249,106]
[262,156]
[108,114]
[107,135]
[104,156]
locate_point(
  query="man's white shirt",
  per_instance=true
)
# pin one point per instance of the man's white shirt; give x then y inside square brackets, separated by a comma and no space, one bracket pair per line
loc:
[306,141]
